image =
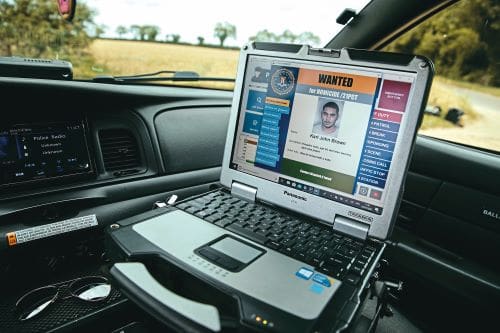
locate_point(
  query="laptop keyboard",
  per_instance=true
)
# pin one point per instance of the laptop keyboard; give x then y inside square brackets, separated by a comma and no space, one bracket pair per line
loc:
[332,253]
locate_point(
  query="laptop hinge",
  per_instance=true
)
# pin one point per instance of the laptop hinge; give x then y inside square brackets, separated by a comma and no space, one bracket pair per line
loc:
[351,227]
[243,191]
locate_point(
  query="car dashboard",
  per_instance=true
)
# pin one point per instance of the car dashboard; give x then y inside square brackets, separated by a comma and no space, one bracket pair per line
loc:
[100,153]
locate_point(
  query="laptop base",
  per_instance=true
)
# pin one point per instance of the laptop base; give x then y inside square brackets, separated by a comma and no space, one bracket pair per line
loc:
[149,239]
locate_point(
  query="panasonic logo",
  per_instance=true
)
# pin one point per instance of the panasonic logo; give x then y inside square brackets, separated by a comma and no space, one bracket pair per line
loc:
[293,195]
[360,216]
[491,213]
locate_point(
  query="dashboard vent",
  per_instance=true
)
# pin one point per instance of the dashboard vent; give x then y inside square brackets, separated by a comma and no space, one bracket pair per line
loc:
[119,149]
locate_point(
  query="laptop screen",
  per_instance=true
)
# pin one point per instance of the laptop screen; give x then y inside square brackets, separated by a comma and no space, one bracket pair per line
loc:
[325,129]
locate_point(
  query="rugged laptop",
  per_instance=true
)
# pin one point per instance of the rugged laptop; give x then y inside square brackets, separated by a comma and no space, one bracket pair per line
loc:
[316,155]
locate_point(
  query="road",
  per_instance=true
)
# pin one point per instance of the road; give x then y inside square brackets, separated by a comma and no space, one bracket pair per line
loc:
[482,132]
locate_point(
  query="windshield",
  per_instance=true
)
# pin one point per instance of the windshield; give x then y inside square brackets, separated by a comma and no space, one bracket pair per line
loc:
[130,37]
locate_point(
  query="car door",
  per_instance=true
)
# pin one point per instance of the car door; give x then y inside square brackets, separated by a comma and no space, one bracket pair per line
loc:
[446,240]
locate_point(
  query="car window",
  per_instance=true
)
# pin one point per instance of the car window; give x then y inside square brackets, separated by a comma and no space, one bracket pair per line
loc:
[464,103]
[116,37]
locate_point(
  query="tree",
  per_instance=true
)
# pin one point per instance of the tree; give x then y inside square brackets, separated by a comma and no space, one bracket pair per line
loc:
[308,37]
[286,37]
[33,28]
[121,30]
[151,31]
[462,41]
[265,36]
[138,31]
[223,31]
[145,32]
[99,30]
[201,40]
[173,38]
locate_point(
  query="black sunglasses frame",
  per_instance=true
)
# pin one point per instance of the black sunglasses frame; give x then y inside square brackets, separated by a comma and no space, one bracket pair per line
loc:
[59,288]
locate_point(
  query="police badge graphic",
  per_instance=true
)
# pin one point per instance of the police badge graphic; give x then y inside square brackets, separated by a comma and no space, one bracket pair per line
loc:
[282,81]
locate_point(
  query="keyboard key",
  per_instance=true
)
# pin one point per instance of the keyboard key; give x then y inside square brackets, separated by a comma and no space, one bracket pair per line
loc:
[281,219]
[264,226]
[212,218]
[315,231]
[360,262]
[241,204]
[262,232]
[299,247]
[183,205]
[275,230]
[288,250]
[300,256]
[317,259]
[231,213]
[364,257]
[356,270]
[325,270]
[313,244]
[240,222]
[247,233]
[254,219]
[275,237]
[336,261]
[273,245]
[244,215]
[233,200]
[351,279]
[269,215]
[343,257]
[259,212]
[203,213]
[192,210]
[332,270]
[288,242]
[367,252]
[223,223]
[311,251]
[252,227]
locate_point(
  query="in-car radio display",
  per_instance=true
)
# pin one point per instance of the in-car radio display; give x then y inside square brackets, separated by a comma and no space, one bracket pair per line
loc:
[43,151]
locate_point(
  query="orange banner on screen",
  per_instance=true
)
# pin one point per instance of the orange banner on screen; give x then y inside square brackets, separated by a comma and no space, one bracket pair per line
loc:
[340,81]
[277,101]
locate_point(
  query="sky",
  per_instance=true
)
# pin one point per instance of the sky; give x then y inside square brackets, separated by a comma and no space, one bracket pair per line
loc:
[191,19]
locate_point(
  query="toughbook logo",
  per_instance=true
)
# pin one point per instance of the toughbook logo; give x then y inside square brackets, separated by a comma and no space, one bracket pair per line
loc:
[293,195]
[360,216]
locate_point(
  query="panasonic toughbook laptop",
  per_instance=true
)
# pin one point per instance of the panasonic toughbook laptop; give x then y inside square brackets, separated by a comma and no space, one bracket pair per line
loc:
[316,154]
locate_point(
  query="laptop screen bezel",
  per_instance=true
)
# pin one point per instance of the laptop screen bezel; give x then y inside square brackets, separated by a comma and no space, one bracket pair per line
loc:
[309,204]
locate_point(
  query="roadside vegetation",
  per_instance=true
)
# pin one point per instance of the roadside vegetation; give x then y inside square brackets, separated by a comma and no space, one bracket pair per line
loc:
[443,95]
[461,41]
[495,91]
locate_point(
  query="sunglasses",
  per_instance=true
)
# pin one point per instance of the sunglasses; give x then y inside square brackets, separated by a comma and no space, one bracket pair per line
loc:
[88,289]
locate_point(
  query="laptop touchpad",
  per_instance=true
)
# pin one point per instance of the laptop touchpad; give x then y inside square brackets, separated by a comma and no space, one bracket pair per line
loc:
[230,253]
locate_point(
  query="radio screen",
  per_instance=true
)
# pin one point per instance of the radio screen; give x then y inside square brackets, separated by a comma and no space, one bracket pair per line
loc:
[43,151]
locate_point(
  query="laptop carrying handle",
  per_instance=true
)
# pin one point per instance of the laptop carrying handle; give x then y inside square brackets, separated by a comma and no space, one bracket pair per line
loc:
[141,287]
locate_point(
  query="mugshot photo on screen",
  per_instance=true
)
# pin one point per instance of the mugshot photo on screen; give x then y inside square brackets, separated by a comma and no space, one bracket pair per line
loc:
[328,117]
